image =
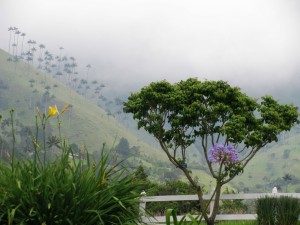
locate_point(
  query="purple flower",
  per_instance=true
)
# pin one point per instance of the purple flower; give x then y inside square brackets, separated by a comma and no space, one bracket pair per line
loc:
[223,154]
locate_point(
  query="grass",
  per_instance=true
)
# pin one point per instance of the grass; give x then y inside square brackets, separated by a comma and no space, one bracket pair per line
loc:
[236,223]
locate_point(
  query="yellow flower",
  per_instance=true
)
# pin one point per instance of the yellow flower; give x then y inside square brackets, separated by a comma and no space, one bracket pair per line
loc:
[52,111]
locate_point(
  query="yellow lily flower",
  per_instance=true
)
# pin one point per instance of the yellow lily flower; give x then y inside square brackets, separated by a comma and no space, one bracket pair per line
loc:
[52,111]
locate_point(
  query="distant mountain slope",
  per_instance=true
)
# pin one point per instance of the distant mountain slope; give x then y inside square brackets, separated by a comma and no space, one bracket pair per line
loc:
[23,88]
[271,165]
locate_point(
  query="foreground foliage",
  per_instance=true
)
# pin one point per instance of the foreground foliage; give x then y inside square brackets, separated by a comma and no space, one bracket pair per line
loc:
[67,190]
[64,193]
[278,211]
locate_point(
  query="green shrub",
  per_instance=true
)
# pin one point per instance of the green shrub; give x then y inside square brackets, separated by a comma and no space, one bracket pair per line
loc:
[265,208]
[62,193]
[66,190]
[288,210]
[277,211]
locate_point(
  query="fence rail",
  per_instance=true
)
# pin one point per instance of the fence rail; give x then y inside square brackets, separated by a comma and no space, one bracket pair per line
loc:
[168,198]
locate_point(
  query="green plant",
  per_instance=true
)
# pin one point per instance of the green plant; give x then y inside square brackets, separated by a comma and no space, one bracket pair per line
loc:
[186,219]
[277,211]
[68,190]
[288,210]
[265,208]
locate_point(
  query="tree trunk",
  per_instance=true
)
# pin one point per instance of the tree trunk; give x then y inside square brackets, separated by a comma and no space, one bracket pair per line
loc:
[210,222]
[215,209]
[202,204]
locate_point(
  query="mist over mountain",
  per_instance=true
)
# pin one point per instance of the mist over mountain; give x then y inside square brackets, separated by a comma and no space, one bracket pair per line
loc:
[250,44]
[128,44]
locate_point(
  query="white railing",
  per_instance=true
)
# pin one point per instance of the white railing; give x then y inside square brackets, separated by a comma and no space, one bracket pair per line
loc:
[168,198]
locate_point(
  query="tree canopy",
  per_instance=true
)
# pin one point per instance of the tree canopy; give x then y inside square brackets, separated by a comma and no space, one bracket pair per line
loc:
[211,113]
[211,110]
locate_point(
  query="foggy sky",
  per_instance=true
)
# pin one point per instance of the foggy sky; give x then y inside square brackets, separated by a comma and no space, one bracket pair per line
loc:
[254,44]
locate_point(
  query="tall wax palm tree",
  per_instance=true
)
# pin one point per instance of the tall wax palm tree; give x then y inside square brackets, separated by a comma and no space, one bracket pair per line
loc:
[40,58]
[59,60]
[15,29]
[10,29]
[23,36]
[74,80]
[48,58]
[29,42]
[33,50]
[73,64]
[18,35]
[88,66]
[41,47]
[72,67]
[28,58]
[29,52]
[68,71]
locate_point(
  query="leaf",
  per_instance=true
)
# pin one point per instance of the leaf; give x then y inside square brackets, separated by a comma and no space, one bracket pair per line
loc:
[169,213]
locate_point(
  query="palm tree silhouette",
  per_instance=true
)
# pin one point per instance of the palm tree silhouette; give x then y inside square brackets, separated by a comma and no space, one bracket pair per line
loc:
[59,60]
[88,66]
[15,29]
[33,50]
[40,58]
[23,36]
[10,29]
[18,34]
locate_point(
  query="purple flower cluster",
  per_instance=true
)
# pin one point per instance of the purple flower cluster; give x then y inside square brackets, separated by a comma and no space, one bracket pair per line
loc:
[225,154]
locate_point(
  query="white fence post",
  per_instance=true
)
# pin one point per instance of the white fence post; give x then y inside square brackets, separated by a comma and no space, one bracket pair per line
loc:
[142,208]
[143,203]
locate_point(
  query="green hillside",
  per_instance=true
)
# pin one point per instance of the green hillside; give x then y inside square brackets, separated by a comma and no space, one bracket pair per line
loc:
[24,88]
[271,165]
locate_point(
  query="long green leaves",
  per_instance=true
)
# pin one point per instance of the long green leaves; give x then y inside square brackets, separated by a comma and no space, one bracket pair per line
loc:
[66,190]
[186,219]
[62,193]
[278,211]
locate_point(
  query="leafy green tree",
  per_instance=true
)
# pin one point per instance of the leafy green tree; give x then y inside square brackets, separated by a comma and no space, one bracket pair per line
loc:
[220,117]
[140,173]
